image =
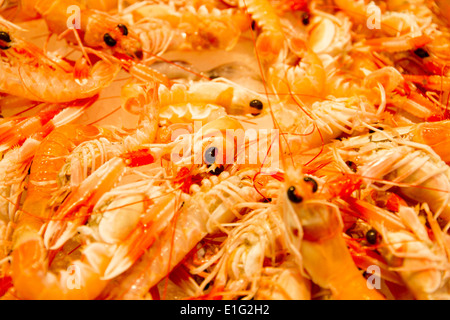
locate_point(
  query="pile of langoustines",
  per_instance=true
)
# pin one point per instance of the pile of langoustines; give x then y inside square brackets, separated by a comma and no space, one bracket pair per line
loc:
[224,149]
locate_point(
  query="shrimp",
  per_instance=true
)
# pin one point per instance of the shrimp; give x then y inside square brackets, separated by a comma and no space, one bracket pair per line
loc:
[85,158]
[126,219]
[315,236]
[48,158]
[205,101]
[96,29]
[211,147]
[298,69]
[15,130]
[329,37]
[38,207]
[272,39]
[162,27]
[215,202]
[238,271]
[26,71]
[418,172]
[59,230]
[82,162]
[356,9]
[16,161]
[30,264]
[326,120]
[304,79]
[118,219]
[408,249]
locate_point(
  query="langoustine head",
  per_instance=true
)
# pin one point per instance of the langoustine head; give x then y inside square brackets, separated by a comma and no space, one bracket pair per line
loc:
[103,31]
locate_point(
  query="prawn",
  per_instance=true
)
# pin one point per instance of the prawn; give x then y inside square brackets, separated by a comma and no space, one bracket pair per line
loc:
[118,219]
[16,129]
[49,157]
[163,27]
[398,43]
[271,40]
[205,101]
[96,29]
[16,161]
[81,163]
[415,168]
[296,69]
[136,97]
[303,78]
[38,207]
[26,71]
[58,230]
[211,204]
[315,236]
[212,201]
[238,271]
[408,249]
[29,256]
[324,121]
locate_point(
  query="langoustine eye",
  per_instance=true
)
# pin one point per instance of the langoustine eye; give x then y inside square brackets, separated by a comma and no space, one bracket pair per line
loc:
[312,182]
[4,37]
[293,196]
[256,104]
[110,42]
[123,29]
[372,236]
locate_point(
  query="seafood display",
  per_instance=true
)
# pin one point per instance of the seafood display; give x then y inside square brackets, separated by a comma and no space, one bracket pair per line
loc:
[225,150]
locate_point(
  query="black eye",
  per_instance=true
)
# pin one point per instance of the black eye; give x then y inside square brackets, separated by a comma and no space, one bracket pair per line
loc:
[305,18]
[218,170]
[293,196]
[123,28]
[210,155]
[372,236]
[109,40]
[351,165]
[313,182]
[257,104]
[421,53]
[4,36]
